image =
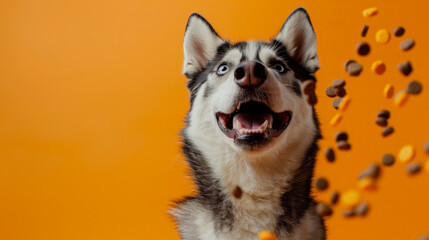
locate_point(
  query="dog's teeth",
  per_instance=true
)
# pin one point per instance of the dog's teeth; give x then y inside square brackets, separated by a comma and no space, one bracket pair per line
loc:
[264,126]
[238,106]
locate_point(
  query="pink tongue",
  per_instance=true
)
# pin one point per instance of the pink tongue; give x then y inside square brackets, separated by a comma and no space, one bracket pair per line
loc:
[252,121]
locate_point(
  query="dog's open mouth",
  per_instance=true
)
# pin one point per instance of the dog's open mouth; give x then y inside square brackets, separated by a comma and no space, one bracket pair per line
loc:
[253,123]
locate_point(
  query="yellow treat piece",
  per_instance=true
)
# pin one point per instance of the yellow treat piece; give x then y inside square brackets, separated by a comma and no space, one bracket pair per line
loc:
[407,153]
[382,36]
[350,198]
[388,90]
[378,67]
[336,119]
[344,103]
[366,183]
[400,98]
[267,235]
[369,12]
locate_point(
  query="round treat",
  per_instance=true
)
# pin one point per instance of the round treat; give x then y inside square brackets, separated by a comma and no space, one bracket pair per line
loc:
[343,145]
[323,209]
[398,31]
[373,170]
[384,114]
[388,159]
[341,136]
[348,213]
[382,36]
[413,168]
[366,183]
[354,68]
[362,48]
[338,83]
[330,154]
[330,92]
[320,183]
[340,92]
[378,67]
[387,131]
[336,102]
[267,235]
[334,197]
[350,198]
[414,87]
[381,121]
[362,209]
[388,91]
[407,44]
[405,68]
[407,153]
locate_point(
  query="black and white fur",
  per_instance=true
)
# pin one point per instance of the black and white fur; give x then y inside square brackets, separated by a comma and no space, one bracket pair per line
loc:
[275,179]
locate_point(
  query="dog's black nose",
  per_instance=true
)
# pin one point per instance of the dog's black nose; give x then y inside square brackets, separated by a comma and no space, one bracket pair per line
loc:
[250,74]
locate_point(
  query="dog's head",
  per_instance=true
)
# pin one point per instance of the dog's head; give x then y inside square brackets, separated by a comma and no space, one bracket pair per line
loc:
[247,96]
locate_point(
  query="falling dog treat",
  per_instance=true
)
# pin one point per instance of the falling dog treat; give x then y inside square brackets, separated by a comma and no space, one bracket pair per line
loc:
[334,197]
[362,48]
[330,92]
[407,44]
[364,30]
[398,31]
[382,36]
[426,146]
[388,90]
[369,12]
[406,153]
[330,154]
[336,102]
[372,171]
[336,119]
[344,103]
[388,159]
[340,92]
[381,121]
[400,98]
[348,213]
[353,68]
[384,114]
[338,83]
[343,145]
[350,198]
[378,67]
[414,87]
[323,210]
[366,183]
[413,168]
[341,136]
[405,68]
[321,183]
[362,209]
[423,237]
[266,235]
[387,131]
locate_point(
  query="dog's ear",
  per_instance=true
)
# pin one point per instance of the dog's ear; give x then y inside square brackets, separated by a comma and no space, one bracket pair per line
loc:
[297,34]
[200,44]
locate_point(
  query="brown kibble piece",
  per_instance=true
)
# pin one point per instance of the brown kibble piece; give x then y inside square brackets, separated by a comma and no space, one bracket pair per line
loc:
[330,92]
[364,30]
[343,145]
[330,154]
[340,92]
[372,171]
[308,87]
[405,68]
[362,48]
[398,31]
[335,196]
[387,131]
[413,168]
[338,83]
[323,210]
[414,87]
[354,68]
[341,136]
[346,63]
[348,213]
[321,183]
[426,146]
[384,114]
[336,102]
[362,209]
[237,192]
[388,159]
[407,44]
[381,121]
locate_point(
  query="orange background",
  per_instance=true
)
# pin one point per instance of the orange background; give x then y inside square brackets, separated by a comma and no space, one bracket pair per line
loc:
[92,99]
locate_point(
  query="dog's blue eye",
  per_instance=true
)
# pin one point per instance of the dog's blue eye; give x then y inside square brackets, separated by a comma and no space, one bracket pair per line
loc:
[279,68]
[222,69]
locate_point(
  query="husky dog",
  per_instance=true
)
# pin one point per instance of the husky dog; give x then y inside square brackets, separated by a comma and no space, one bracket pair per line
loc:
[250,136]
